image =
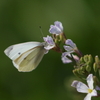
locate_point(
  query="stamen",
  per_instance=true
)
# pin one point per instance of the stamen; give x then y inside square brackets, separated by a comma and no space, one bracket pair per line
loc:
[90,90]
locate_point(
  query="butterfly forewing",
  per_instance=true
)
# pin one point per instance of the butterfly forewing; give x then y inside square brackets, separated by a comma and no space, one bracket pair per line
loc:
[14,51]
[26,56]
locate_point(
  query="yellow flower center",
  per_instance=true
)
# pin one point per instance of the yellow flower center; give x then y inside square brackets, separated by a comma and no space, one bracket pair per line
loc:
[90,90]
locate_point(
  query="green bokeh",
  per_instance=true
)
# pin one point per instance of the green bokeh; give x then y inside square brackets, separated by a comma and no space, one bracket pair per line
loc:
[20,21]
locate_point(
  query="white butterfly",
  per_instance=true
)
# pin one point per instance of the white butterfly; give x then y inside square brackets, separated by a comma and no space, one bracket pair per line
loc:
[26,56]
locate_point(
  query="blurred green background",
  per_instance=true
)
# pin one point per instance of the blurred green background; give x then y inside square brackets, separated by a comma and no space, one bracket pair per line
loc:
[20,21]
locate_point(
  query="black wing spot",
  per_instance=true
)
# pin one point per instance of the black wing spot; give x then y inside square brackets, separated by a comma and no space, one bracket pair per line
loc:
[19,53]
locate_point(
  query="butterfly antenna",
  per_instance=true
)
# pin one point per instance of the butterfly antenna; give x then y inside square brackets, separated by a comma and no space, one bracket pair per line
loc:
[41,31]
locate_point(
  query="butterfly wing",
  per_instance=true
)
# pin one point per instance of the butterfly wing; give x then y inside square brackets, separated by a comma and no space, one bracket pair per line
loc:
[14,51]
[26,56]
[29,60]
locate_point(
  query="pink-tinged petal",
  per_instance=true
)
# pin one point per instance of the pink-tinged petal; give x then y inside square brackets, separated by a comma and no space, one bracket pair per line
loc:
[94,93]
[74,83]
[90,81]
[88,97]
[76,58]
[81,87]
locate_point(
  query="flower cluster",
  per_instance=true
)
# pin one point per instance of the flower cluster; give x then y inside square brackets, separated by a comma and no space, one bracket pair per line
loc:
[84,67]
[59,37]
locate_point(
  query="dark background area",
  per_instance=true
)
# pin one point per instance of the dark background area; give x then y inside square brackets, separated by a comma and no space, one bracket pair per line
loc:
[51,80]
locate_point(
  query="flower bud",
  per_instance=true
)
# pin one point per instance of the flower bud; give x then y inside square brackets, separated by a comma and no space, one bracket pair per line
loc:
[86,58]
[88,68]
[90,59]
[97,59]
[95,67]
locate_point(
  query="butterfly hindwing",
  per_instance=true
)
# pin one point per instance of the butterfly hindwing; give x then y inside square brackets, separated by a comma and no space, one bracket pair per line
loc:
[30,59]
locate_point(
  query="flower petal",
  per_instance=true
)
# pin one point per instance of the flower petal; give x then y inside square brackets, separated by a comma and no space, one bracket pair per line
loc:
[94,93]
[49,43]
[64,54]
[88,97]
[64,57]
[76,58]
[74,83]
[90,81]
[65,60]
[59,25]
[81,87]
[70,43]
[68,48]
[49,40]
[57,28]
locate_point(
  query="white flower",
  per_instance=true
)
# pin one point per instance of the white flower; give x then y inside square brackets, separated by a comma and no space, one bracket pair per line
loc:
[49,43]
[81,87]
[57,28]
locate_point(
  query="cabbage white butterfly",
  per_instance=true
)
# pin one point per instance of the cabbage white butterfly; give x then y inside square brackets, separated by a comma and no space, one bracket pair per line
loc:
[26,56]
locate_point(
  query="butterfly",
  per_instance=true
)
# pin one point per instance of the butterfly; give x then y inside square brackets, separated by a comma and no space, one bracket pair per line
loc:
[26,56]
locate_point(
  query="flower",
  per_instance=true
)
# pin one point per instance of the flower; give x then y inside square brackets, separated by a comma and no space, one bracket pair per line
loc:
[49,43]
[81,87]
[57,28]
[66,57]
[71,46]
